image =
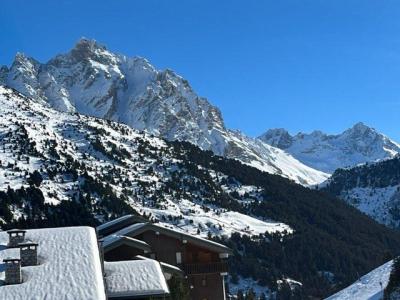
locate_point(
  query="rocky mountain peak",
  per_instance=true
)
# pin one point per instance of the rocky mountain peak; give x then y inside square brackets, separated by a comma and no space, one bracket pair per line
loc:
[317,133]
[3,74]
[277,137]
[358,144]
[360,128]
[84,51]
[362,131]
[86,48]
[25,62]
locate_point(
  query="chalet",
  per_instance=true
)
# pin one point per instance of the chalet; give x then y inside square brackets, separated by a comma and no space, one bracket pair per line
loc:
[66,263]
[202,262]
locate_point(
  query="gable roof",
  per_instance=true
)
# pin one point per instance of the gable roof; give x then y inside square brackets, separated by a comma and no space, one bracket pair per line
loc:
[69,266]
[117,224]
[138,228]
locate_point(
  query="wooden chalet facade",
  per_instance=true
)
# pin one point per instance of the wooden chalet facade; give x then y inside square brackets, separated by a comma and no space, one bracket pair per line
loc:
[202,262]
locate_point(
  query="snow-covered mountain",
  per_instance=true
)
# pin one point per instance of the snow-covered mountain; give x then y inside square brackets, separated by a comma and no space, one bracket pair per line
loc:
[373,188]
[92,80]
[327,153]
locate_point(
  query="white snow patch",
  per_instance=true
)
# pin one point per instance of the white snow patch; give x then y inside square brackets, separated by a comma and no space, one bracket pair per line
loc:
[368,287]
[135,278]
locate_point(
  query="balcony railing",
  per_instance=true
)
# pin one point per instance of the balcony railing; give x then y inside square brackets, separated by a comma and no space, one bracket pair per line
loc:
[204,268]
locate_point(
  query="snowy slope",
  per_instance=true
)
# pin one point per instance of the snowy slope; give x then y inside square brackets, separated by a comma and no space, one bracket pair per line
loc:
[327,153]
[376,202]
[368,287]
[373,188]
[94,81]
[75,153]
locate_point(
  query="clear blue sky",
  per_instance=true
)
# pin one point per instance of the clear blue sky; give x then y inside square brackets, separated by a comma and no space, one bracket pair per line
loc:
[301,65]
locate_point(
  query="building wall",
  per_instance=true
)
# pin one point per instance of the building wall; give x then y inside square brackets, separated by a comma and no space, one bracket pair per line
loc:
[164,247]
[195,254]
[206,287]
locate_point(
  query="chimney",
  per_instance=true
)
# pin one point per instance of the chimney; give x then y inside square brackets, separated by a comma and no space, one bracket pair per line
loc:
[28,254]
[16,236]
[13,270]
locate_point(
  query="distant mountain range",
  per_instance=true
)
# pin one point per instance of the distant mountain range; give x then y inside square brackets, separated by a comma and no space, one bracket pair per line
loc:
[357,145]
[365,166]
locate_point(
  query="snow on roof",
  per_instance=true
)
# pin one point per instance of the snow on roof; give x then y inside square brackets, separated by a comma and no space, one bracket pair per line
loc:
[164,265]
[138,228]
[367,287]
[113,222]
[113,241]
[131,228]
[194,239]
[69,266]
[135,278]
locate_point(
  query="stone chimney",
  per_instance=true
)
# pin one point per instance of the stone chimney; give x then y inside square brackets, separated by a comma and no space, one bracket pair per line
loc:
[16,236]
[13,270]
[28,254]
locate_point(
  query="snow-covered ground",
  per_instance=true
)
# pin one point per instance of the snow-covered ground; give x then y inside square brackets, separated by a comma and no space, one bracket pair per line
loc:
[375,202]
[368,287]
[202,220]
[69,266]
[142,180]
[246,284]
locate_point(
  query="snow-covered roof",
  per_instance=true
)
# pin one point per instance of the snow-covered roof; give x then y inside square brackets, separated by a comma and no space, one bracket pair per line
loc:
[165,267]
[117,224]
[129,230]
[113,222]
[135,278]
[368,287]
[112,241]
[69,266]
[136,229]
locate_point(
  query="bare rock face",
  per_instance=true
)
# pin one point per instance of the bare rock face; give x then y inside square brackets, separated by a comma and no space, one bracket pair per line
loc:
[93,81]
[279,138]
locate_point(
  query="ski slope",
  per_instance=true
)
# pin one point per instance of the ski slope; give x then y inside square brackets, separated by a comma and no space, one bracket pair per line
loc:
[368,287]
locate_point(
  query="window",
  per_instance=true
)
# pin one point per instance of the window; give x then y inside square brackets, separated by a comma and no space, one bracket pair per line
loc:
[152,255]
[204,281]
[178,257]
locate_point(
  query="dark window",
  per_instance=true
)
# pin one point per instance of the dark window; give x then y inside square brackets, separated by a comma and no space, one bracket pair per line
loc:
[204,281]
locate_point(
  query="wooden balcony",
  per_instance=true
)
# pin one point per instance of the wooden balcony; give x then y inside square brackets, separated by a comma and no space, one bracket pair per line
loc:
[205,268]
